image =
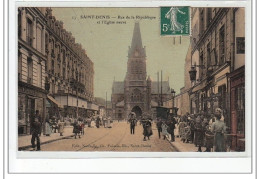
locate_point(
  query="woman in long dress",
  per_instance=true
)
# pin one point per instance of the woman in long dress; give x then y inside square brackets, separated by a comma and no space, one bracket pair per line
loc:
[47,128]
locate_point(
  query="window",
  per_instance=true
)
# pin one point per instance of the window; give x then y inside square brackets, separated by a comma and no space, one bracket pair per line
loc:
[29,70]
[222,97]
[39,74]
[208,56]
[240,107]
[240,44]
[39,38]
[201,74]
[222,45]
[29,32]
[19,24]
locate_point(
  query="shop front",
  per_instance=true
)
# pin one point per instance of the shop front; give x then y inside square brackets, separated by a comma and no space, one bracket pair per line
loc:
[237,108]
[30,99]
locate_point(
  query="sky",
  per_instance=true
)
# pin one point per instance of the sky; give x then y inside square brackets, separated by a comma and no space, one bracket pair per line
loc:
[107,44]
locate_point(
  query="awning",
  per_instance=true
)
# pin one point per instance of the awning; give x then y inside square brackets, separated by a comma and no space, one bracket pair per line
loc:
[54,101]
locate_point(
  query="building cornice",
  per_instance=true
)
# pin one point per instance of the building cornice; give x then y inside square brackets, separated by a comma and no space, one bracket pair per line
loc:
[29,48]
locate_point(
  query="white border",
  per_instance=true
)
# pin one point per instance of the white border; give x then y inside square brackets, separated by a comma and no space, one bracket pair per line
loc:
[229,163]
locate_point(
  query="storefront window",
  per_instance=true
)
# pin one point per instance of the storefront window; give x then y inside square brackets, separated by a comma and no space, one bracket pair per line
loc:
[240,107]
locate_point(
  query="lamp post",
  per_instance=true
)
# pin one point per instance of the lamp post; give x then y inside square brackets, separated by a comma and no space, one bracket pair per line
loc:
[173,96]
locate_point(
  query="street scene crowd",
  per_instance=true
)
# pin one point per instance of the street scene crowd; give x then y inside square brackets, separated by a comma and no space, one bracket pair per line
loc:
[202,130]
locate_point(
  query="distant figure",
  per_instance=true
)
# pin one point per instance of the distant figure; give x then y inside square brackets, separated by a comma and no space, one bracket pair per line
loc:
[36,132]
[198,133]
[47,128]
[132,122]
[60,127]
[76,129]
[164,130]
[98,122]
[159,127]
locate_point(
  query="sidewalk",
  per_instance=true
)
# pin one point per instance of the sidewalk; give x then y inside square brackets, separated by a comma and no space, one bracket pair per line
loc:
[185,147]
[24,142]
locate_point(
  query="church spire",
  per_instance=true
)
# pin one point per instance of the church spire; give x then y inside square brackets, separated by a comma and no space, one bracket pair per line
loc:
[136,39]
[136,42]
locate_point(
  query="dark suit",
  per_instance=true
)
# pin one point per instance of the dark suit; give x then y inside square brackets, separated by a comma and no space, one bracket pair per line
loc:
[132,126]
[172,127]
[159,128]
[36,131]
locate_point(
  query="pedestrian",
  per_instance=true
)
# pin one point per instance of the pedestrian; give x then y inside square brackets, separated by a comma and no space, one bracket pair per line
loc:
[98,122]
[147,129]
[89,121]
[36,132]
[192,128]
[182,126]
[60,127]
[198,133]
[132,122]
[205,124]
[171,127]
[219,129]
[159,127]
[76,129]
[47,128]
[209,139]
[164,130]
[82,127]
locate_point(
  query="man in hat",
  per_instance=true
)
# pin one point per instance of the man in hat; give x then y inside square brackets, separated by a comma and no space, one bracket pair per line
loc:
[132,122]
[36,132]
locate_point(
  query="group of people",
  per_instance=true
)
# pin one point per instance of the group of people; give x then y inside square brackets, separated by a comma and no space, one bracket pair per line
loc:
[166,127]
[51,126]
[204,130]
[146,122]
[54,125]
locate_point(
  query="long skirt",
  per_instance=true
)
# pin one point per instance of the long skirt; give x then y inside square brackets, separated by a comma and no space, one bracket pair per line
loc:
[148,131]
[47,129]
[219,142]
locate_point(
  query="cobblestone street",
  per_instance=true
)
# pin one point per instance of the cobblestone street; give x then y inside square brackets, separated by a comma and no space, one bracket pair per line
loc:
[117,138]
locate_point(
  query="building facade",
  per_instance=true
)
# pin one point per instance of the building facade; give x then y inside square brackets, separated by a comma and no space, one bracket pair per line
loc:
[55,75]
[217,66]
[138,93]
[32,62]
[70,71]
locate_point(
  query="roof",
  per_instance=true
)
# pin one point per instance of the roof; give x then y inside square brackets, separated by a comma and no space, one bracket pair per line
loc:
[118,87]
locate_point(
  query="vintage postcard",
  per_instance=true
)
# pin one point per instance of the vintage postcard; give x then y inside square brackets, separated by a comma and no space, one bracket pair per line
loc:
[131,79]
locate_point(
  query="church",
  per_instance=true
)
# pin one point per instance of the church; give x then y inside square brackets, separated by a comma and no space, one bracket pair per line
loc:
[138,93]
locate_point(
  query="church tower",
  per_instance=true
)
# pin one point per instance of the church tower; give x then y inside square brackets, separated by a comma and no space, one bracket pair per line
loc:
[135,85]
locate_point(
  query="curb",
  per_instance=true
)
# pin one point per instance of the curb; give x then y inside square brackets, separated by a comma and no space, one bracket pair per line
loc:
[42,143]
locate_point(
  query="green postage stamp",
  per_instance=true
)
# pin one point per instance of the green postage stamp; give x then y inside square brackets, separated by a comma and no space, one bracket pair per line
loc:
[175,21]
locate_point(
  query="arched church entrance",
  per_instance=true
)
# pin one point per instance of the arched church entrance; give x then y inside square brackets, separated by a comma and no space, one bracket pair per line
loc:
[138,111]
